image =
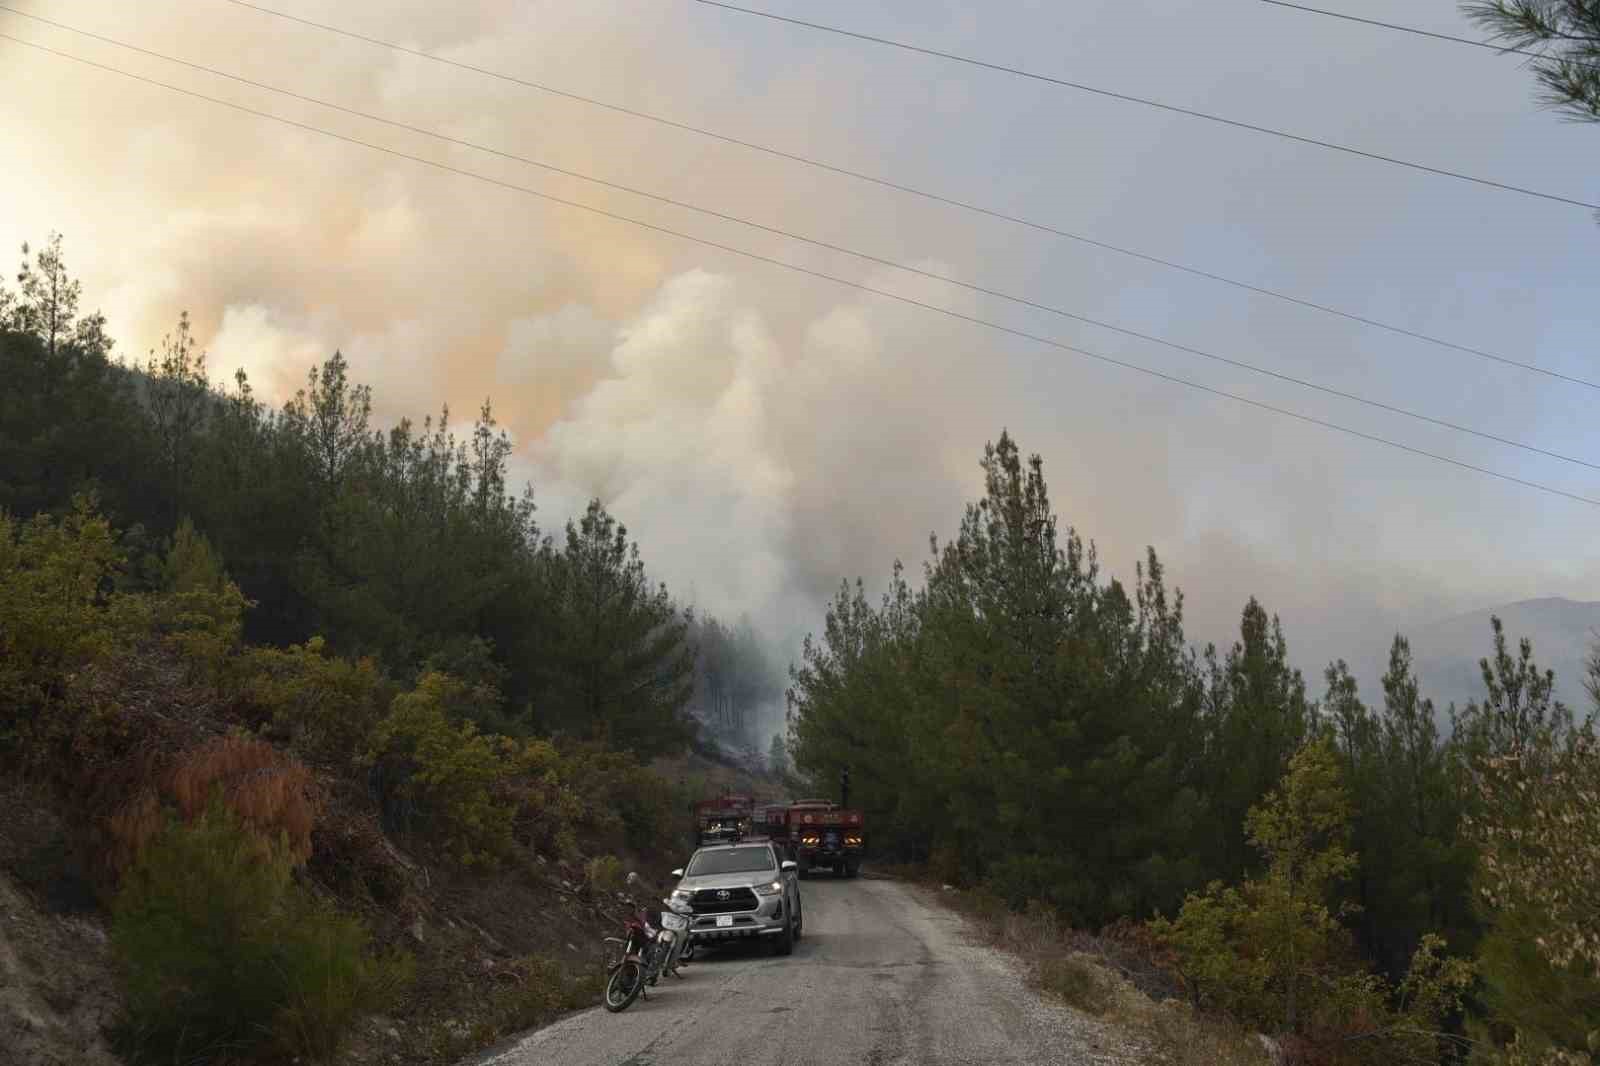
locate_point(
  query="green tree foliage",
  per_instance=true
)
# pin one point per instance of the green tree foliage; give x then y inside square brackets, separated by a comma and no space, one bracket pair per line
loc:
[323,705]
[1565,33]
[620,668]
[46,304]
[852,703]
[1257,716]
[1415,864]
[1302,831]
[1017,719]
[252,495]
[222,951]
[406,545]
[1519,713]
[1273,951]
[330,419]
[618,799]
[69,421]
[1249,949]
[1534,780]
[451,772]
[198,608]
[58,612]
[179,402]
[420,552]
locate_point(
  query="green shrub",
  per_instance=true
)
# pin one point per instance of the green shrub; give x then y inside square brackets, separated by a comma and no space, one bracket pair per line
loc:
[220,950]
[1218,966]
[550,812]
[604,873]
[460,778]
[1076,982]
[617,789]
[326,705]
[58,613]
[330,977]
[198,610]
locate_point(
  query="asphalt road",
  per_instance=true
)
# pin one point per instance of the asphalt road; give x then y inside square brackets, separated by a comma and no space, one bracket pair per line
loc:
[883,976]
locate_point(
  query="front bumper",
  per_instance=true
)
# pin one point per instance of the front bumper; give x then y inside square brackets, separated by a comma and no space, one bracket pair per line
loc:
[766,920]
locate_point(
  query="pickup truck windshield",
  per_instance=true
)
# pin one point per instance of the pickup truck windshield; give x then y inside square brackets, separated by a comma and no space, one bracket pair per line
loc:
[730,861]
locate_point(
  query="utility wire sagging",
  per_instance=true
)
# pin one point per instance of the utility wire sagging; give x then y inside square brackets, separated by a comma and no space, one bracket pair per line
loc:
[887,294]
[932,197]
[788,234]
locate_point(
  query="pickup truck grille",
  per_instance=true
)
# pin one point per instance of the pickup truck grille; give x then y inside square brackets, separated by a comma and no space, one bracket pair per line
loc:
[711,901]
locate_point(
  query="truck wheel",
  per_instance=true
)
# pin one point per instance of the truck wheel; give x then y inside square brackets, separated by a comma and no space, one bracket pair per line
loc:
[785,944]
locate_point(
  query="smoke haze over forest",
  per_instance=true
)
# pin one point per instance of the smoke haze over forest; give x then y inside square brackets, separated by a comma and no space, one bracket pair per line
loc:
[765,435]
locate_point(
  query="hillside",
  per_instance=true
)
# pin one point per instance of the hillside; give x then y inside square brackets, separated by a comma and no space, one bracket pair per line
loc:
[1563,633]
[314,737]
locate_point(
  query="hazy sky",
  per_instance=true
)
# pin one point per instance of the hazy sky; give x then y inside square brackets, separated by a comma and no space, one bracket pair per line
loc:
[765,434]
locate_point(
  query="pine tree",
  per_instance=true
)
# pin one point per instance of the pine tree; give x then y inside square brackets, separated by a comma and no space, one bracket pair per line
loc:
[620,667]
[178,395]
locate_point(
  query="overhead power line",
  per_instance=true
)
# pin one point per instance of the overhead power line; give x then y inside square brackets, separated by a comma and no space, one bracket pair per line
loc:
[932,197]
[885,293]
[1490,45]
[828,246]
[1158,104]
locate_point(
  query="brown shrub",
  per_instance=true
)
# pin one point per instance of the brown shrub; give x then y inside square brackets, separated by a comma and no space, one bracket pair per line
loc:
[132,827]
[268,790]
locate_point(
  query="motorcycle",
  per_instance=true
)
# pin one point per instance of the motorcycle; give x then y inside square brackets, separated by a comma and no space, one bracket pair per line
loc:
[674,936]
[628,961]
[644,953]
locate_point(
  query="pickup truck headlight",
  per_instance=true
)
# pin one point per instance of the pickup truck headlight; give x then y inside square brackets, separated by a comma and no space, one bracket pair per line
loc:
[770,889]
[682,894]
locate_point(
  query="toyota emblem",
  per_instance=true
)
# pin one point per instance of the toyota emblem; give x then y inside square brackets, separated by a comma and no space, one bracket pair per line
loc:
[723,893]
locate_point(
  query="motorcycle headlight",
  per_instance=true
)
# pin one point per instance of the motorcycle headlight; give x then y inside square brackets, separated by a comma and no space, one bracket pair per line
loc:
[770,889]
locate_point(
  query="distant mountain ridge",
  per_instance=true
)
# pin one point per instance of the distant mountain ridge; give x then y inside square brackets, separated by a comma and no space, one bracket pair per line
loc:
[1563,632]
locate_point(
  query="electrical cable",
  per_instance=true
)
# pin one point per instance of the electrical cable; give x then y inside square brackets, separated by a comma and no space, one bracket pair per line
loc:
[932,197]
[791,235]
[1157,104]
[1490,45]
[958,315]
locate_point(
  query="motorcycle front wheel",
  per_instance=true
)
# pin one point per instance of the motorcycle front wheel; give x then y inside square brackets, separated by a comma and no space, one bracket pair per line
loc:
[626,982]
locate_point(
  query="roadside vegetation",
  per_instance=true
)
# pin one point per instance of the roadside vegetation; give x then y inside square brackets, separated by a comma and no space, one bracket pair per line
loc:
[1352,880]
[345,751]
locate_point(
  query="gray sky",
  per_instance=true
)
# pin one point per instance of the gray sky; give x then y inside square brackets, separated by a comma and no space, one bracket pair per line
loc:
[765,434]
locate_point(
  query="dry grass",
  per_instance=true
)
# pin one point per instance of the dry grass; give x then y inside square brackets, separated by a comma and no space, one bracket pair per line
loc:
[132,827]
[1117,976]
[270,791]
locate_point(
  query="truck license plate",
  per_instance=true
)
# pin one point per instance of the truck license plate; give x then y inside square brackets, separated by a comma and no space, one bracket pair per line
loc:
[724,920]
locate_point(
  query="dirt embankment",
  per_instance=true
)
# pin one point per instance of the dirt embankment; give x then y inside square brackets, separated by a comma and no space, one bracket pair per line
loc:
[495,953]
[57,989]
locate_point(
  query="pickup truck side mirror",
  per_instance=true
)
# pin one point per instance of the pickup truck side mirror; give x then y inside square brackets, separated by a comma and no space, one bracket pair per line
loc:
[788,864]
[678,873]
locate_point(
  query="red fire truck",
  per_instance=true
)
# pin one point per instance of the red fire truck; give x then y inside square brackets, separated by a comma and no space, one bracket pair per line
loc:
[717,821]
[820,834]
